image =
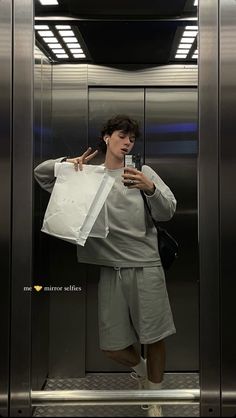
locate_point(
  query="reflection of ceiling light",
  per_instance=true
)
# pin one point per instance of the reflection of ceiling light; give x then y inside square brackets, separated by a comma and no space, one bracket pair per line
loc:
[62,55]
[79,56]
[45,33]
[63,27]
[195,56]
[58,51]
[195,2]
[182,51]
[54,45]
[66,40]
[50,40]
[66,33]
[187,40]
[185,46]
[75,45]
[77,50]
[191,27]
[189,33]
[48,2]
[41,27]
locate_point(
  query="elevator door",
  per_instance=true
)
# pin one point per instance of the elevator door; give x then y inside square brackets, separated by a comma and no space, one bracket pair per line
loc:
[168,143]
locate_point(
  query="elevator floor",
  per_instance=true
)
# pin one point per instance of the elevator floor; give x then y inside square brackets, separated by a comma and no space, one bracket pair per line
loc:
[113,381]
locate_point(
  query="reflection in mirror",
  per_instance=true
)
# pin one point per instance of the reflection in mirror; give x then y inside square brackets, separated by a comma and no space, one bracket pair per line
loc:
[93,304]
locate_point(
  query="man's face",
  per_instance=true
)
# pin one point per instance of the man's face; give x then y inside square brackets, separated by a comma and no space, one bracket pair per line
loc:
[120,143]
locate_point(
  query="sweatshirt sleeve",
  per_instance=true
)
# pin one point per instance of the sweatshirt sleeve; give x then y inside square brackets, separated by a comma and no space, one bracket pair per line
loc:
[162,202]
[44,174]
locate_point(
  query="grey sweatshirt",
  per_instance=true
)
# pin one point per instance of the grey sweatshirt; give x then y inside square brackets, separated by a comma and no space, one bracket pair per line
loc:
[132,237]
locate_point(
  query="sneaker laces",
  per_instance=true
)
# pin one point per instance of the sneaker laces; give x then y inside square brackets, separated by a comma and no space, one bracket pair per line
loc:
[141,380]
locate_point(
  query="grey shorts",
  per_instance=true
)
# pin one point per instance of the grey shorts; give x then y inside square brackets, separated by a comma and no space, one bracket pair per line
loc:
[133,305]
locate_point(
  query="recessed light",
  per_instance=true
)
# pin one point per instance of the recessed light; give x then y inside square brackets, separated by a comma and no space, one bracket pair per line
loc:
[59,51]
[66,32]
[63,27]
[66,40]
[79,56]
[51,40]
[48,2]
[45,33]
[191,27]
[195,56]
[185,46]
[74,45]
[187,40]
[195,2]
[190,33]
[41,27]
[76,50]
[182,51]
[62,55]
[56,46]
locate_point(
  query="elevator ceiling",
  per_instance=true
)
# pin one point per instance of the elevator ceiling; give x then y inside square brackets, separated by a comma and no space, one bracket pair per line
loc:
[121,32]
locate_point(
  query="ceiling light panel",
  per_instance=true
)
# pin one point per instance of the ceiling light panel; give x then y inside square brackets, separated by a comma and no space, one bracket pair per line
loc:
[45,33]
[185,46]
[63,27]
[74,45]
[48,2]
[51,40]
[56,46]
[76,51]
[189,33]
[187,40]
[66,40]
[66,33]
[41,27]
[79,56]
[62,56]
[59,51]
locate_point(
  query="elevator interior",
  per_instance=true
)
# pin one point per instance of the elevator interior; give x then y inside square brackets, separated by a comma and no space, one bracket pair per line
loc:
[135,72]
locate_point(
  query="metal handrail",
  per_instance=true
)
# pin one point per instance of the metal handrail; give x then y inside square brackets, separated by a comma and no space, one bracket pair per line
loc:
[115,397]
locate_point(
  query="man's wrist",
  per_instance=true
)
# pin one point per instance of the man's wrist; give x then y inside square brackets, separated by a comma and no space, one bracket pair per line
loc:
[151,191]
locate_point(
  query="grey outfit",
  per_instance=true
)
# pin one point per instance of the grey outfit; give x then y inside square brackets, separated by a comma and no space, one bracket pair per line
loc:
[129,257]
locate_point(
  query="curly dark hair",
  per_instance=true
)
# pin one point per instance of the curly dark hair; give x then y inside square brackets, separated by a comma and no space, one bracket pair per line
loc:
[118,123]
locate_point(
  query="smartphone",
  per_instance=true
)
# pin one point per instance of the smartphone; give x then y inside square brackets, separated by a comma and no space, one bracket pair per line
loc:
[132,160]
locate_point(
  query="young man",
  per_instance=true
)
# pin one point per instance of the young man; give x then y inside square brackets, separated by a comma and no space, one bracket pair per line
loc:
[132,295]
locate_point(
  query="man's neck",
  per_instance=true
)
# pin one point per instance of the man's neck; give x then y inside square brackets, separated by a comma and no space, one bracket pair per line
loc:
[112,163]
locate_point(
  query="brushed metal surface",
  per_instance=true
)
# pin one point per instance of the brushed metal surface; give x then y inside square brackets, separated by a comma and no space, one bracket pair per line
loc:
[42,145]
[171,148]
[22,164]
[227,32]
[67,310]
[5,196]
[208,198]
[130,75]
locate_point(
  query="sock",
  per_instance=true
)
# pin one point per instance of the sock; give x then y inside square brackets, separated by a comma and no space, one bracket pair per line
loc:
[141,368]
[154,386]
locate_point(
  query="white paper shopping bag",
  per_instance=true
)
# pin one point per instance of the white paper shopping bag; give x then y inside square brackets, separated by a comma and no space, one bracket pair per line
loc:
[77,207]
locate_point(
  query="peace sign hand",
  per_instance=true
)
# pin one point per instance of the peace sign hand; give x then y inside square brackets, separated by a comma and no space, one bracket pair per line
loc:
[83,159]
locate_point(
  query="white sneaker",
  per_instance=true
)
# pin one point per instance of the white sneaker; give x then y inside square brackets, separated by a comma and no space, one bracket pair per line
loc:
[141,380]
[142,384]
[154,411]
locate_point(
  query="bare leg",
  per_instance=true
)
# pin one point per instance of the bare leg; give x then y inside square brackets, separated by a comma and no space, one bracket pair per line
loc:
[129,356]
[156,361]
